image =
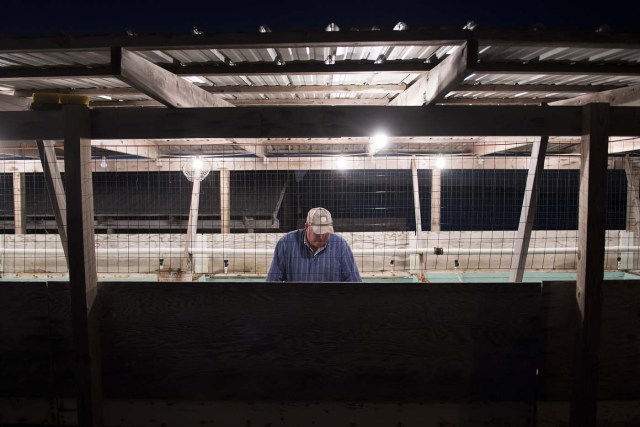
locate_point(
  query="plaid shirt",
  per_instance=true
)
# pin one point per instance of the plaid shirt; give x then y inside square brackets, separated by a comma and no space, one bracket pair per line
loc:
[295,261]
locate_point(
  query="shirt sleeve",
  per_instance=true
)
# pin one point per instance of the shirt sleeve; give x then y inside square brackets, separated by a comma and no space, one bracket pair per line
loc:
[277,272]
[349,270]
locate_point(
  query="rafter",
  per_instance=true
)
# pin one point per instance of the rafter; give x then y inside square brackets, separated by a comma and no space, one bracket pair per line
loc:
[435,84]
[256,102]
[236,89]
[564,69]
[8,74]
[519,88]
[163,86]
[625,96]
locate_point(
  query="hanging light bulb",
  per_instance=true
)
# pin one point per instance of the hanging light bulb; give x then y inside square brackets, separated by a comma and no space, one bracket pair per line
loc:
[103,163]
[341,163]
[440,163]
[379,141]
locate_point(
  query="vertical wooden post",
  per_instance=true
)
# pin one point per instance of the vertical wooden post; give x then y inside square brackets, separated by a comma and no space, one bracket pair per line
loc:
[225,201]
[82,263]
[590,269]
[19,204]
[192,226]
[633,197]
[436,197]
[416,197]
[53,180]
[528,211]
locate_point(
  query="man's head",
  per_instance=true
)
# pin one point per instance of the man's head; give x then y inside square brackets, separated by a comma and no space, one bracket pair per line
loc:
[318,227]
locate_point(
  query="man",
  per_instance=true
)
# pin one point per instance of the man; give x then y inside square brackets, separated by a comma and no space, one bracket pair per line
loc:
[313,254]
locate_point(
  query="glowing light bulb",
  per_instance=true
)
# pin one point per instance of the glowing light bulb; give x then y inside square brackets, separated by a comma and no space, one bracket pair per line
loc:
[380,140]
[440,163]
[341,163]
[197,164]
[103,163]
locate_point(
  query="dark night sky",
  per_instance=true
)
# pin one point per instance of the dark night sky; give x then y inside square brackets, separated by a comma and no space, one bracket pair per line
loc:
[50,17]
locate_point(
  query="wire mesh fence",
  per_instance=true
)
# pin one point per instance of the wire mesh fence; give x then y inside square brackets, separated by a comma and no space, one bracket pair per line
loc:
[182,209]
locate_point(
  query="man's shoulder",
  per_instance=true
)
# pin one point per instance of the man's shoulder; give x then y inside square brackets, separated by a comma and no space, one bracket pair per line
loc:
[292,236]
[338,239]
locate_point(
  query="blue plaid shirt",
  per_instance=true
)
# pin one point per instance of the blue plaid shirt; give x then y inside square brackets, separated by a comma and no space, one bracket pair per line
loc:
[295,261]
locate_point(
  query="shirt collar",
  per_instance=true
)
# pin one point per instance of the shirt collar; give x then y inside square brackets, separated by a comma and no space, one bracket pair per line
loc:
[306,243]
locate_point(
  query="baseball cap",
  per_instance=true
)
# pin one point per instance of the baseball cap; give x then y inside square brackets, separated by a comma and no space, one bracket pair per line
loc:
[319,219]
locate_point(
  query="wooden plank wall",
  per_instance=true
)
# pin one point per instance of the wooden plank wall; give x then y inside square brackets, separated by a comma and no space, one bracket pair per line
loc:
[619,346]
[399,343]
[303,342]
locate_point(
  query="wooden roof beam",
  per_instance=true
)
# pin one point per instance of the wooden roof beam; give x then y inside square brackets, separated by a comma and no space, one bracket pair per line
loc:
[164,86]
[435,84]
[626,96]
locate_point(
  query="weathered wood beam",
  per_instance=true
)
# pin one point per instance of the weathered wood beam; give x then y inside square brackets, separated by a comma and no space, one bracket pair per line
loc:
[323,122]
[310,122]
[19,204]
[55,187]
[499,145]
[160,84]
[618,145]
[8,74]
[436,198]
[625,96]
[528,210]
[130,147]
[237,89]
[633,197]
[557,69]
[320,163]
[416,197]
[82,264]
[225,201]
[493,101]
[435,84]
[519,88]
[590,269]
[192,227]
[31,125]
[255,102]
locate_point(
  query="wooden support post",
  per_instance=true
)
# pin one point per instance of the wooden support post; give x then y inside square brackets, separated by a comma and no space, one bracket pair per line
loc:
[82,263]
[225,201]
[633,198]
[19,204]
[53,180]
[416,197]
[590,271]
[436,197]
[192,226]
[528,211]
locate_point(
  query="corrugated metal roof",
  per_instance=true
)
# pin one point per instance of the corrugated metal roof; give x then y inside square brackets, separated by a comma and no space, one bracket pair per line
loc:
[557,54]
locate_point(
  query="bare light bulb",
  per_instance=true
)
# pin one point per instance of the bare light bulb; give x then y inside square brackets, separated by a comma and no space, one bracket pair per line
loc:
[380,141]
[103,163]
[440,162]
[341,163]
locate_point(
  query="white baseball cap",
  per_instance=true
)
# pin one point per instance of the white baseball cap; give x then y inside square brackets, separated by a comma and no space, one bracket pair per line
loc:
[319,219]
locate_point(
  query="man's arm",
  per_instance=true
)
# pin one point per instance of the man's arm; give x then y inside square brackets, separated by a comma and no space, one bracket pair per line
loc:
[349,270]
[277,271]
